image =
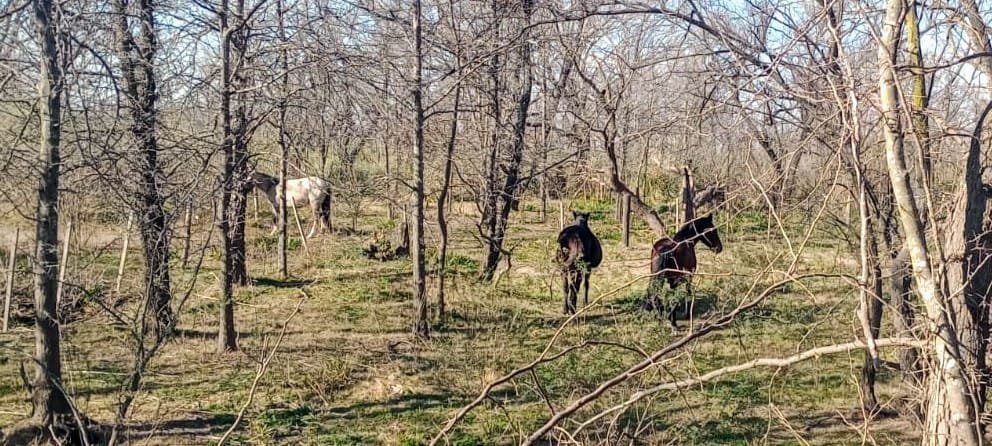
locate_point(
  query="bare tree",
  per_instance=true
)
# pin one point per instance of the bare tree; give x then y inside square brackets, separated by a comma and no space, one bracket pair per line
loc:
[501,199]
[52,409]
[950,416]
[137,60]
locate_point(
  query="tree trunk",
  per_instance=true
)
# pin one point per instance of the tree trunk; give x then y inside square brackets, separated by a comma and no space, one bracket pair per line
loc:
[137,59]
[873,319]
[648,214]
[969,273]
[510,191]
[422,325]
[442,199]
[227,336]
[950,418]
[688,200]
[490,191]
[51,406]
[903,316]
[238,35]
[284,144]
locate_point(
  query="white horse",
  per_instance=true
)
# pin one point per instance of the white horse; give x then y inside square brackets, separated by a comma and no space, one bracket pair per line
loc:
[300,192]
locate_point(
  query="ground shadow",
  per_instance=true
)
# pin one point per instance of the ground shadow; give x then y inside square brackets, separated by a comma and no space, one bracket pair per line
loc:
[412,402]
[275,283]
[190,333]
[196,426]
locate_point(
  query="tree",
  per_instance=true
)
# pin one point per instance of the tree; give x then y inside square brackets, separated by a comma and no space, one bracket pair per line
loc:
[500,200]
[951,419]
[422,324]
[52,409]
[137,66]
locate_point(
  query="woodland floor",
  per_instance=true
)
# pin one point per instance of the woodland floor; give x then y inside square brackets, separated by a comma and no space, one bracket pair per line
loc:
[349,371]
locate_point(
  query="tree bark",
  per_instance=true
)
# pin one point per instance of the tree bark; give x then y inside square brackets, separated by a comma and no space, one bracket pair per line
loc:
[51,406]
[238,35]
[688,200]
[442,200]
[510,190]
[284,145]
[227,336]
[969,274]
[421,326]
[137,58]
[950,418]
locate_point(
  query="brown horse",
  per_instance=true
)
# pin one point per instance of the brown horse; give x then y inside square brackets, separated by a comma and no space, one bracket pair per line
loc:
[674,260]
[579,252]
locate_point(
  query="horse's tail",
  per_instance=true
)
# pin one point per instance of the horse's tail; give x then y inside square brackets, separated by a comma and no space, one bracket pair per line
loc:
[568,253]
[325,211]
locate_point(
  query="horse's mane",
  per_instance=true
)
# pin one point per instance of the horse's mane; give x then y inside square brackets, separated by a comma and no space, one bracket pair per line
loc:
[687,231]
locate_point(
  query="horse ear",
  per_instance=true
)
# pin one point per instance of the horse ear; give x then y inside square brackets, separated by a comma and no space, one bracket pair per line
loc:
[575,214]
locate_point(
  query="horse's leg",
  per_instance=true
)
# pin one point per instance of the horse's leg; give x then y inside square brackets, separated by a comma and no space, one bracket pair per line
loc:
[564,289]
[673,312]
[572,282]
[691,301]
[585,279]
[574,295]
[316,218]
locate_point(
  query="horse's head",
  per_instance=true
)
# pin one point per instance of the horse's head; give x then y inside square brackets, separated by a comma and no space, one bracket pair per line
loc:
[581,218]
[262,181]
[708,234]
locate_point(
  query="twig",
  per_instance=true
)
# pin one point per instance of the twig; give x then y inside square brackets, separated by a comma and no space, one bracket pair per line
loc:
[636,369]
[761,362]
[261,371]
[10,278]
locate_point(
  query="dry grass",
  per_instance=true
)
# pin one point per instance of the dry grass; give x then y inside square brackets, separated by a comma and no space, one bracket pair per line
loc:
[350,372]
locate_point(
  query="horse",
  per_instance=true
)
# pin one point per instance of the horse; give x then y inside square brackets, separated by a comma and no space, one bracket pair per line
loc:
[312,191]
[579,252]
[673,259]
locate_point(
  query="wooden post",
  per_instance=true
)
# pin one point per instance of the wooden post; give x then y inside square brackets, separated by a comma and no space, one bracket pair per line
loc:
[299,227]
[254,199]
[63,263]
[188,227]
[127,240]
[10,278]
[561,214]
[625,205]
[688,190]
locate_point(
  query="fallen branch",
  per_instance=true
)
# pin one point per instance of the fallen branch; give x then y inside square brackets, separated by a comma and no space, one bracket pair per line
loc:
[262,366]
[761,362]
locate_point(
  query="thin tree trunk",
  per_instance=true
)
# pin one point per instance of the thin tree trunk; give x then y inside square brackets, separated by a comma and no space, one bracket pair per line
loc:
[51,407]
[284,145]
[688,199]
[443,198]
[238,36]
[422,325]
[227,339]
[490,192]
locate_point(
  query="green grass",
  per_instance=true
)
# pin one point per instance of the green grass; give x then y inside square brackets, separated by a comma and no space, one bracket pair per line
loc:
[349,372]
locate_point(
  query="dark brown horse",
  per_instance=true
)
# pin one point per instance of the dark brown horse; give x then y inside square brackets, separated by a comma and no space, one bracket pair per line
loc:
[579,252]
[674,260]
